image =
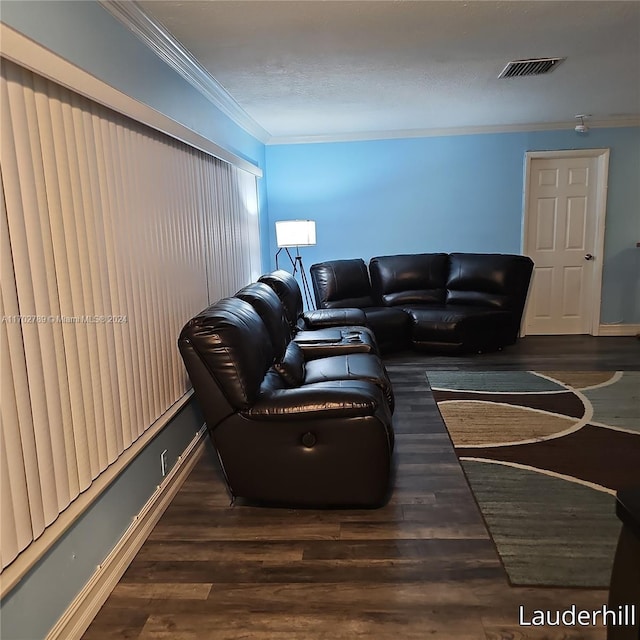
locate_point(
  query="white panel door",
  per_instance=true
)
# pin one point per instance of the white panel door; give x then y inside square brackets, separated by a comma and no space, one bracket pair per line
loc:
[560,233]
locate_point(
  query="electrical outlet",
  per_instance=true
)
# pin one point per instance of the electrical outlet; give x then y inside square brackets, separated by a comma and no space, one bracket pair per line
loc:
[163,462]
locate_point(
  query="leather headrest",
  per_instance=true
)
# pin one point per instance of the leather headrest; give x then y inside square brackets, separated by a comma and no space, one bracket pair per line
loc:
[233,343]
[288,290]
[341,283]
[270,308]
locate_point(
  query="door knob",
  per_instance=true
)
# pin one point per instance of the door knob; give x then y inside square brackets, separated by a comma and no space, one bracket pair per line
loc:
[588,257]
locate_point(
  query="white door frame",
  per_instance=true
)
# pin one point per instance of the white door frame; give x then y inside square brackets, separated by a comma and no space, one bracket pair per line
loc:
[602,156]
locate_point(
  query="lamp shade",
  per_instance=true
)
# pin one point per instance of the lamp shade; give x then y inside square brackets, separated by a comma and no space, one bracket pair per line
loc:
[295,233]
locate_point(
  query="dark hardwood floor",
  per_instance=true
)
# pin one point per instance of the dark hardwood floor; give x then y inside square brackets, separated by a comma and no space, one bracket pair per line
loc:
[577,353]
[423,566]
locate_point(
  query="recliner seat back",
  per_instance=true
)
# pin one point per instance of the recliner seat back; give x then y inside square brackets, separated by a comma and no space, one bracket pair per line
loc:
[288,290]
[271,310]
[230,343]
[341,284]
[410,279]
[488,280]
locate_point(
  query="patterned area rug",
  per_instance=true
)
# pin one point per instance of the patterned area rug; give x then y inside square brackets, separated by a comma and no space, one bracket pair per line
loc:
[544,454]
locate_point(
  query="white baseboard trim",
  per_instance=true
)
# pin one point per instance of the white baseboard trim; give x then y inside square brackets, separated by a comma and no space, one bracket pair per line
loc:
[619,329]
[80,613]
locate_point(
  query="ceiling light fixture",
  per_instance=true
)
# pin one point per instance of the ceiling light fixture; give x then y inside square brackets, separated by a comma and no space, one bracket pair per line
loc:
[581,126]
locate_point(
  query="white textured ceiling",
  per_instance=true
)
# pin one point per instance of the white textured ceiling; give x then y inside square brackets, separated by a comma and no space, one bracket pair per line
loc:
[348,68]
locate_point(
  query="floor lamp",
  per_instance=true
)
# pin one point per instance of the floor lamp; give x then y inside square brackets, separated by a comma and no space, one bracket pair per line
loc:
[296,233]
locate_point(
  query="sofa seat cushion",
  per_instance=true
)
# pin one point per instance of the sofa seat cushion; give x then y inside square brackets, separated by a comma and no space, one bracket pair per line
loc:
[323,399]
[389,324]
[356,366]
[470,328]
[319,318]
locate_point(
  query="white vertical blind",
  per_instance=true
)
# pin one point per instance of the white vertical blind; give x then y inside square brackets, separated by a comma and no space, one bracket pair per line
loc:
[112,236]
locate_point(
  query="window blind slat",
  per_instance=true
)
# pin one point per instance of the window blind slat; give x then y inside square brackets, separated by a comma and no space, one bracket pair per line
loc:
[18,181]
[116,235]
[20,494]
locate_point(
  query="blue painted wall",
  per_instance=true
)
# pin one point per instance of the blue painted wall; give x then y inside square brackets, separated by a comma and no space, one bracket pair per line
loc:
[453,193]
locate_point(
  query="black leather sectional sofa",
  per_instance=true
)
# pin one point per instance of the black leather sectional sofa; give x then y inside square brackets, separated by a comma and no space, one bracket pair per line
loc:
[451,303]
[298,405]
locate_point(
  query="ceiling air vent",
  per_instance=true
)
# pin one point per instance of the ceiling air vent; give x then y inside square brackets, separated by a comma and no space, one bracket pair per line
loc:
[532,67]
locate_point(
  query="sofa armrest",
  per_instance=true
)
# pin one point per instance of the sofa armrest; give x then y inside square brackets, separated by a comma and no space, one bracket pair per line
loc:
[339,399]
[334,318]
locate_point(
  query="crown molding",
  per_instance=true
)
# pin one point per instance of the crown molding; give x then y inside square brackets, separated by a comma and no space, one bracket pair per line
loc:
[155,36]
[33,56]
[450,131]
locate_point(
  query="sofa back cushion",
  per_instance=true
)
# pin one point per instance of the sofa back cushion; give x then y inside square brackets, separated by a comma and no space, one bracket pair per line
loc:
[232,342]
[270,308]
[288,290]
[488,280]
[341,283]
[409,279]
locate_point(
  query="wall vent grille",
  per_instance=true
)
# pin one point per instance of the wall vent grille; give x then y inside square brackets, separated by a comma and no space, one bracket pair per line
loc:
[531,67]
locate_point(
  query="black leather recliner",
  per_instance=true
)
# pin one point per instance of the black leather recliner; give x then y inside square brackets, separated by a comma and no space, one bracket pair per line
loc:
[323,331]
[344,284]
[288,431]
[334,363]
